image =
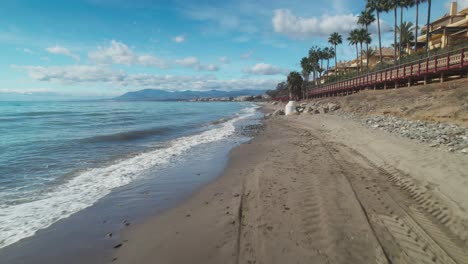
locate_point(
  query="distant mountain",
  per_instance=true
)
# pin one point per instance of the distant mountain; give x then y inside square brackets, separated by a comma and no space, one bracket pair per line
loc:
[161,95]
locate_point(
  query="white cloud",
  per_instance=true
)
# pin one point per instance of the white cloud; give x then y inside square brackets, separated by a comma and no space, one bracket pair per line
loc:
[26,91]
[221,19]
[208,67]
[28,51]
[119,53]
[247,55]
[72,73]
[188,61]
[224,60]
[179,39]
[101,74]
[265,69]
[59,50]
[116,53]
[285,22]
[149,60]
[194,62]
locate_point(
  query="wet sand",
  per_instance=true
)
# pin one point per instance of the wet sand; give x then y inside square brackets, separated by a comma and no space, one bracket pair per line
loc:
[316,189]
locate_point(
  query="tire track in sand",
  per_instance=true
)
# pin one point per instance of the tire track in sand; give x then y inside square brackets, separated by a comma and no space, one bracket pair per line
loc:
[411,235]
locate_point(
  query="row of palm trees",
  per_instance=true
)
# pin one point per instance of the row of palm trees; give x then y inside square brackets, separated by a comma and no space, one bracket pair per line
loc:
[314,62]
[386,6]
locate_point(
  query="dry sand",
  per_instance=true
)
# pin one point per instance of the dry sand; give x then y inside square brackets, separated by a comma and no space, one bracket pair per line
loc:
[317,189]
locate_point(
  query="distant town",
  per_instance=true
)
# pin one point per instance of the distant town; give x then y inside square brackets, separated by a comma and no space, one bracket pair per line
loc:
[244,98]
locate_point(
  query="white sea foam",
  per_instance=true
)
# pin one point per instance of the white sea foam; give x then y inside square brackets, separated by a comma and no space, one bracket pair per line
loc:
[24,220]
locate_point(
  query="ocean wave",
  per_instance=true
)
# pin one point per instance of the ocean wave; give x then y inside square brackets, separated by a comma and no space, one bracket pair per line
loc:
[24,220]
[219,121]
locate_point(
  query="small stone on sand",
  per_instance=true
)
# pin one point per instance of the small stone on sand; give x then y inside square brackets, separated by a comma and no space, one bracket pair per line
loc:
[118,245]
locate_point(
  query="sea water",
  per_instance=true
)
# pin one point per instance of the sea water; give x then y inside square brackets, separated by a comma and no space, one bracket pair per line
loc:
[57,158]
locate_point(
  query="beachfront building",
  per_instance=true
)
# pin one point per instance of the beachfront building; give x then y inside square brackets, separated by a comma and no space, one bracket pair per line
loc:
[344,67]
[448,30]
[388,56]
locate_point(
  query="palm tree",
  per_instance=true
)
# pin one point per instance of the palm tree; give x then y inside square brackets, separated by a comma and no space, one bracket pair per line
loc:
[416,24]
[363,36]
[322,56]
[306,70]
[354,40]
[378,6]
[314,58]
[366,18]
[393,5]
[294,85]
[367,41]
[335,39]
[405,32]
[369,53]
[403,4]
[320,71]
[330,53]
[428,24]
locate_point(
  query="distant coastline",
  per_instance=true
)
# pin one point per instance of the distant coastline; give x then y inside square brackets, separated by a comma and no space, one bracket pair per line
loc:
[192,96]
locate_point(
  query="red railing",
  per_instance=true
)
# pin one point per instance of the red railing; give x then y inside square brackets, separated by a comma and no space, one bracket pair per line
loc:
[450,62]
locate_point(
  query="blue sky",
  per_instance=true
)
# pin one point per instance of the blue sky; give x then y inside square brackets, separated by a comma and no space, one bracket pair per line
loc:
[108,47]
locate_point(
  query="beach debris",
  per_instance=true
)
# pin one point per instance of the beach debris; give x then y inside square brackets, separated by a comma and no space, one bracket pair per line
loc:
[300,109]
[323,109]
[114,259]
[310,110]
[109,235]
[333,107]
[188,215]
[290,108]
[274,102]
[278,112]
[236,195]
[118,245]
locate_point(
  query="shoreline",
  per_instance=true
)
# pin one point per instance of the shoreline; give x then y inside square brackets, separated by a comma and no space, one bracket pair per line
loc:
[90,234]
[291,195]
[231,184]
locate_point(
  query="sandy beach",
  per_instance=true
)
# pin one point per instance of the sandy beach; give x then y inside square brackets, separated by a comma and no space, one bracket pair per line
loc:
[317,189]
